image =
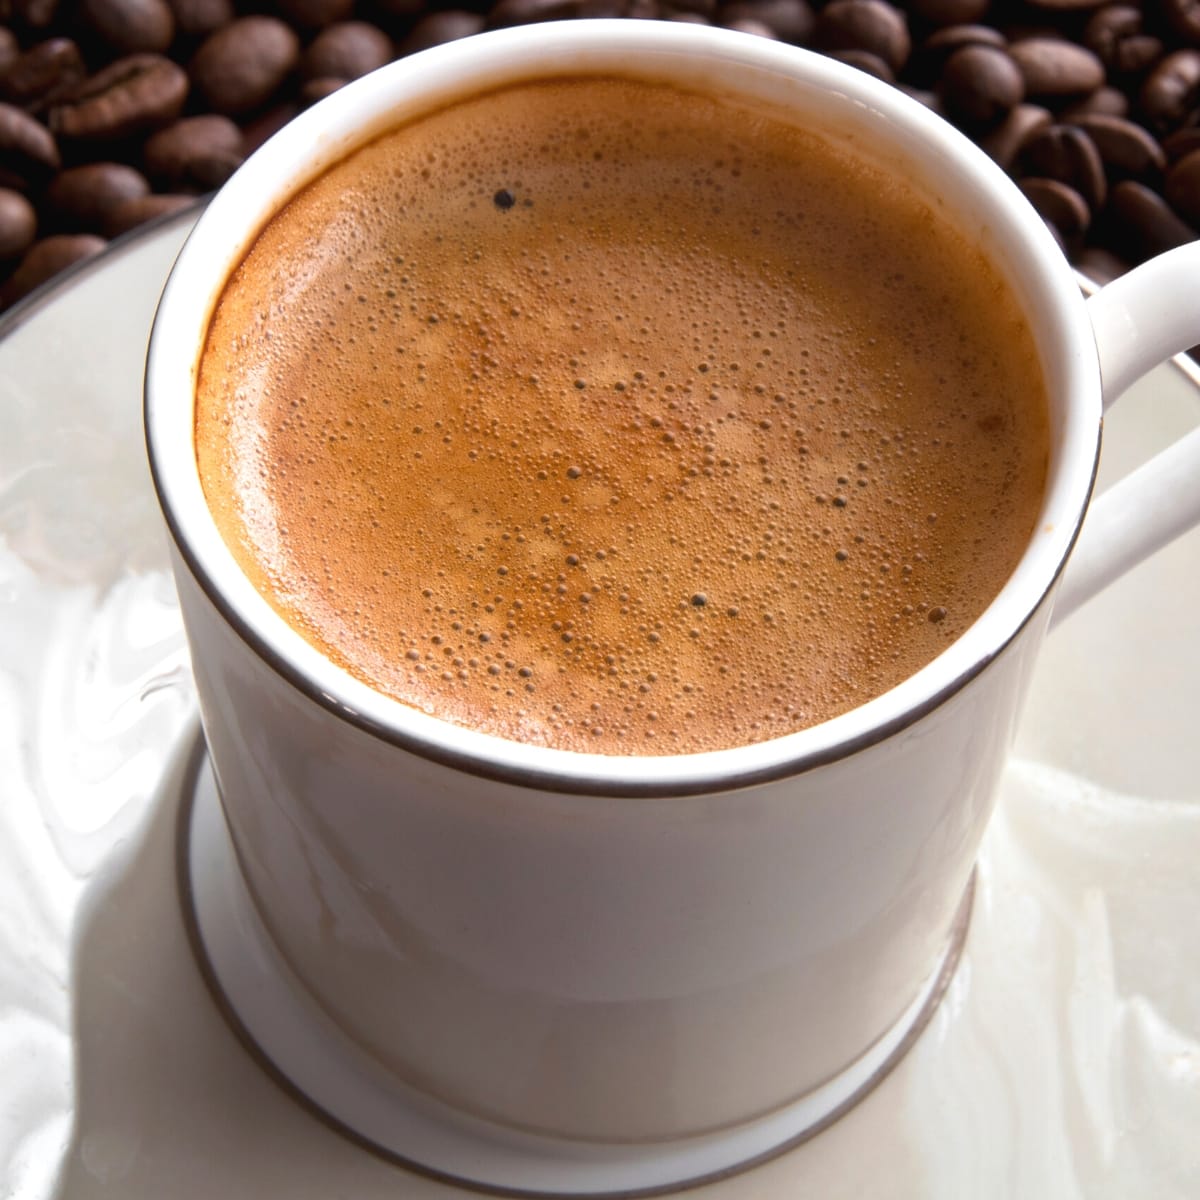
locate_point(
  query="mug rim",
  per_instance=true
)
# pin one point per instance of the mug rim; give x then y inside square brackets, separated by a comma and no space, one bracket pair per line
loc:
[333,128]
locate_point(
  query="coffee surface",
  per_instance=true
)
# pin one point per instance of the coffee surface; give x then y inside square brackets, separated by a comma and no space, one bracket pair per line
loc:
[605,416]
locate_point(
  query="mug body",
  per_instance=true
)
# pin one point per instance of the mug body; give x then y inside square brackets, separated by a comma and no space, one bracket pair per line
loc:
[612,948]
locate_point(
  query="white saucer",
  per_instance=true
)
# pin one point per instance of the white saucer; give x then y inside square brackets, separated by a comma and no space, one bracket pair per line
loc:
[280,1022]
[1064,1060]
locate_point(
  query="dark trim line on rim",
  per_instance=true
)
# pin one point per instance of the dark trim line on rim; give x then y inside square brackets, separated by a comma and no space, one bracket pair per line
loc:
[185,807]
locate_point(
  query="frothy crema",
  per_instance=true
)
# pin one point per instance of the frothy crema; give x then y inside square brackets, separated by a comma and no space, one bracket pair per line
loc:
[611,417]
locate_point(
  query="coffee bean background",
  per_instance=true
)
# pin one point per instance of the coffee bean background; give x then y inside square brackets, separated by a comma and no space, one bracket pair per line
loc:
[113,112]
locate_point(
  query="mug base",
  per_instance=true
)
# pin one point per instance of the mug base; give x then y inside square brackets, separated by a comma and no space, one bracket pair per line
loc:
[297,1043]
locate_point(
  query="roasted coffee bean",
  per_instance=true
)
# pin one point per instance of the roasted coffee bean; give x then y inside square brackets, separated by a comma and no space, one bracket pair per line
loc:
[1004,142]
[267,124]
[526,12]
[28,151]
[346,51]
[751,25]
[1055,67]
[314,14]
[45,259]
[949,12]
[864,60]
[1067,154]
[313,91]
[789,20]
[1183,16]
[1105,101]
[708,8]
[1060,206]
[34,14]
[82,197]
[1172,90]
[870,25]
[1181,143]
[1100,265]
[43,73]
[981,85]
[18,224]
[199,18]
[241,66]
[1127,150]
[10,51]
[926,63]
[130,96]
[1142,223]
[131,26]
[1115,35]
[402,12]
[196,153]
[129,214]
[1183,187]
[440,27]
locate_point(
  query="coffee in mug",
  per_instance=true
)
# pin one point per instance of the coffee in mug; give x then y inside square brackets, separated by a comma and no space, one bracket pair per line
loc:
[615,416]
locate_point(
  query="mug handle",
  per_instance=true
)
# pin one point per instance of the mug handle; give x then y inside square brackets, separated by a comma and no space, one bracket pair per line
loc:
[1140,320]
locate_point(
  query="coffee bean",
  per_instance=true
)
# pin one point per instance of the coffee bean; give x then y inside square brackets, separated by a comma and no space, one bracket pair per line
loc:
[526,12]
[241,66]
[929,58]
[1004,142]
[1172,90]
[949,12]
[1183,187]
[82,197]
[199,18]
[1067,154]
[1100,265]
[10,51]
[1105,101]
[346,51]
[1142,224]
[34,14]
[131,26]
[870,25]
[1053,6]
[267,124]
[18,224]
[981,85]
[864,60]
[1127,150]
[402,12]
[1060,206]
[130,96]
[315,14]
[708,8]
[1183,16]
[789,20]
[28,151]
[129,214]
[45,259]
[1181,143]
[437,28]
[1055,67]
[197,153]
[1115,35]
[313,91]
[753,26]
[43,73]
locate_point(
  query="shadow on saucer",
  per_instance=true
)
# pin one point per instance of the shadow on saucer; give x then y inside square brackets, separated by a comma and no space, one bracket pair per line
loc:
[167,1101]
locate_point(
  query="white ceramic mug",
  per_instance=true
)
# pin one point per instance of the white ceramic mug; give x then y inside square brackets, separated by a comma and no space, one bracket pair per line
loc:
[633,950]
